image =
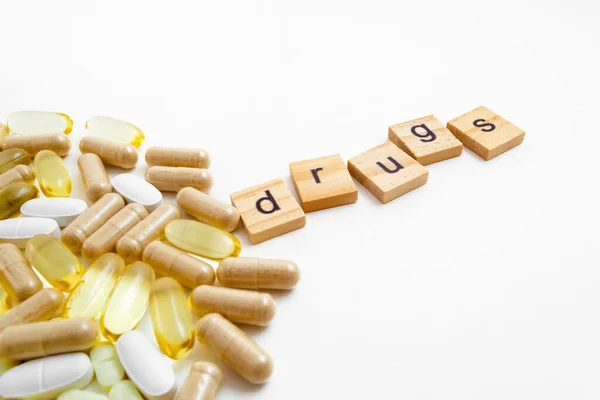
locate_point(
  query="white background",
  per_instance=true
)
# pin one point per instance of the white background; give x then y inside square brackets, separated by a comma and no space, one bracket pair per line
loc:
[483,284]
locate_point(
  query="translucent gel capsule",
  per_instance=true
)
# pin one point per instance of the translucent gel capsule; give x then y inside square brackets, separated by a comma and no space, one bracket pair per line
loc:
[13,157]
[57,142]
[115,129]
[94,176]
[20,173]
[42,306]
[52,174]
[3,132]
[54,261]
[6,364]
[39,123]
[13,196]
[77,394]
[4,307]
[171,318]
[91,294]
[177,157]
[128,301]
[16,276]
[124,390]
[202,382]
[201,239]
[107,367]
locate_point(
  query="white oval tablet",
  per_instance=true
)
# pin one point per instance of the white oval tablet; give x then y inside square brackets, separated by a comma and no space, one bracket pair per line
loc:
[137,190]
[62,210]
[145,365]
[19,230]
[46,378]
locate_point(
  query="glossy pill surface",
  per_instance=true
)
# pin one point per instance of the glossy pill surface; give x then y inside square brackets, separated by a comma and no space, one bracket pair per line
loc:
[56,142]
[115,129]
[16,276]
[92,292]
[14,196]
[45,378]
[235,348]
[52,174]
[76,394]
[54,261]
[124,390]
[131,245]
[107,367]
[202,383]
[60,209]
[42,306]
[111,152]
[40,339]
[39,123]
[242,306]
[13,157]
[179,265]
[18,231]
[171,318]
[201,239]
[258,273]
[136,354]
[104,240]
[136,190]
[172,179]
[207,209]
[128,301]
[177,157]
[4,132]
[91,220]
[6,364]
[94,176]
[20,173]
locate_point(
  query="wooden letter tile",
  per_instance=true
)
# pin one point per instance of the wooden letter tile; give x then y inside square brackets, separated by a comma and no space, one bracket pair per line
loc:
[268,210]
[486,133]
[387,172]
[323,183]
[425,139]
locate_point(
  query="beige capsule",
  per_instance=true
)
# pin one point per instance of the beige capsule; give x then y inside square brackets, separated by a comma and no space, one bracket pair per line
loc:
[257,273]
[57,142]
[235,348]
[173,179]
[91,220]
[207,209]
[113,152]
[168,261]
[94,176]
[42,306]
[105,239]
[20,173]
[131,245]
[40,339]
[16,276]
[177,157]
[202,383]
[242,306]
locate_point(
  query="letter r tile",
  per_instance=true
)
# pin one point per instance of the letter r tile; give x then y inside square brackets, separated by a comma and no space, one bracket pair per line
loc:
[387,172]
[268,210]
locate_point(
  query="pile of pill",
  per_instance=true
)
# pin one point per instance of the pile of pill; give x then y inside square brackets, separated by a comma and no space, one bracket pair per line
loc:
[57,336]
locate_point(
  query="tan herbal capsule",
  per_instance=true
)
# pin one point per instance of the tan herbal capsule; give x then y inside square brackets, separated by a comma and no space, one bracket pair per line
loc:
[16,276]
[207,209]
[202,383]
[179,265]
[113,152]
[131,245]
[235,348]
[105,239]
[40,339]
[91,220]
[242,306]
[177,157]
[20,173]
[257,273]
[172,179]
[42,306]
[94,176]
[57,142]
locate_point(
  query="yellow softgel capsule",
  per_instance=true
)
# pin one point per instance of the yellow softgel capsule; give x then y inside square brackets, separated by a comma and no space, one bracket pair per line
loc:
[124,390]
[128,301]
[52,174]
[6,364]
[54,261]
[107,367]
[171,318]
[201,239]
[3,132]
[113,128]
[12,157]
[91,294]
[13,196]
[39,123]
